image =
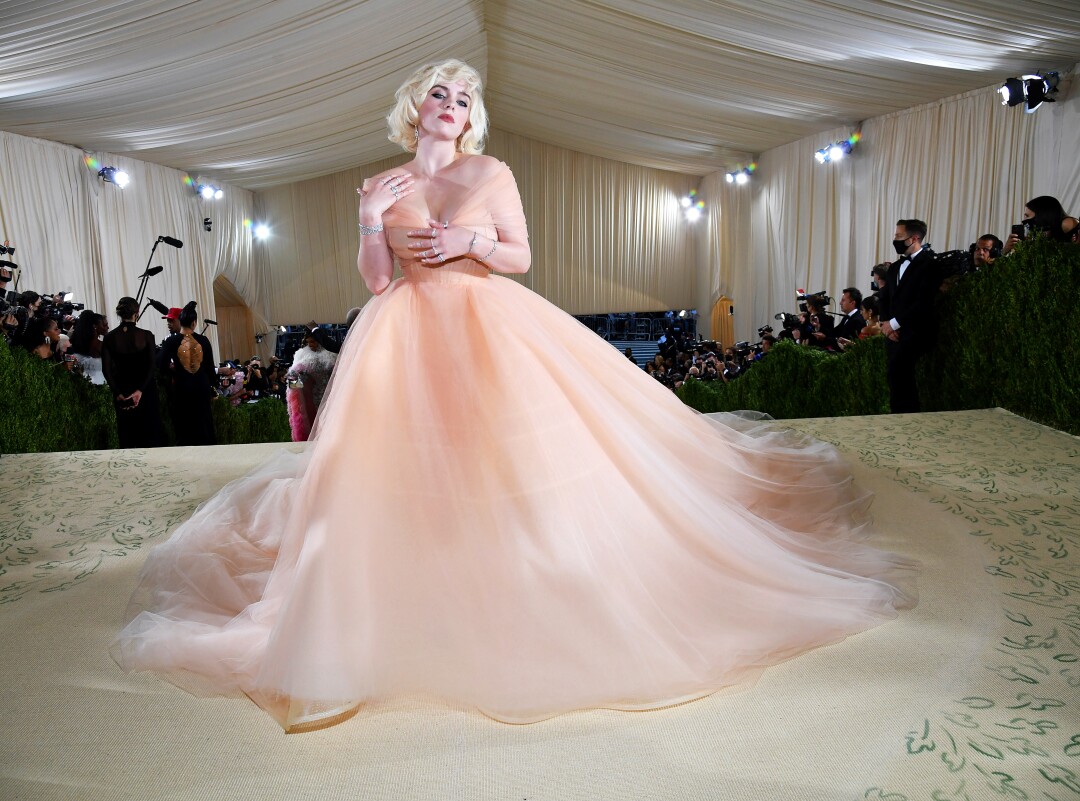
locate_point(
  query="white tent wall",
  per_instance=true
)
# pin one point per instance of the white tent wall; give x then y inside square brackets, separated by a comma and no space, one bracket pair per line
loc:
[605,235]
[76,233]
[966,165]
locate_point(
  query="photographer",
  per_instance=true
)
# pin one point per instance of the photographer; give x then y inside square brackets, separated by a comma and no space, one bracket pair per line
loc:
[19,316]
[256,384]
[820,330]
[852,323]
[985,251]
[1046,215]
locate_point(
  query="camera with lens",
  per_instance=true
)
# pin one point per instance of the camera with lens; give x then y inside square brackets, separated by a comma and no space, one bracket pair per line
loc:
[788,321]
[822,296]
[6,250]
[765,329]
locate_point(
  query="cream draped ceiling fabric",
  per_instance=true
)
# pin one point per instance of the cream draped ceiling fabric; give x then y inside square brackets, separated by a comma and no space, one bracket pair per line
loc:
[606,111]
[258,93]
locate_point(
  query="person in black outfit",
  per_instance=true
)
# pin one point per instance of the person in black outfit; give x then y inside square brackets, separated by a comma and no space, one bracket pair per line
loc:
[907,313]
[187,360]
[819,328]
[852,322]
[127,361]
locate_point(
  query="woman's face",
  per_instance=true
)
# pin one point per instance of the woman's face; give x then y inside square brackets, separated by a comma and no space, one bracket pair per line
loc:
[1028,213]
[102,326]
[312,343]
[53,332]
[445,111]
[866,314]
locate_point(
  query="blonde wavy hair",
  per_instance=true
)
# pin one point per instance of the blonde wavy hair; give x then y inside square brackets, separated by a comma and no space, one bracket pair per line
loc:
[403,119]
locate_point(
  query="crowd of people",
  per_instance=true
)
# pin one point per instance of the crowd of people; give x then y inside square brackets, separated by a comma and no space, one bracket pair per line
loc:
[133,365]
[876,314]
[128,359]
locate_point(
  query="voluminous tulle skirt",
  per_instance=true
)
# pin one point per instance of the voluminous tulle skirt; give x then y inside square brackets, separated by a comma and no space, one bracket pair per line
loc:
[500,510]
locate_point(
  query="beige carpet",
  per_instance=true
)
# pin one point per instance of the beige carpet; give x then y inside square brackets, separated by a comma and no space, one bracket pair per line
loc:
[973,695]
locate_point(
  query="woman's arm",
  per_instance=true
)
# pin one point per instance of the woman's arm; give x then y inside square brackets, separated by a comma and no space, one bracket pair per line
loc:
[374,260]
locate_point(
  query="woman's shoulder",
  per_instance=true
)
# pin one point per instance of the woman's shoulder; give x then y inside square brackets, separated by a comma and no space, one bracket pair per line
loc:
[482,164]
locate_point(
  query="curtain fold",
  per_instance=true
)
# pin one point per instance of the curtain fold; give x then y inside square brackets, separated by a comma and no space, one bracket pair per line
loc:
[75,233]
[965,164]
[606,236]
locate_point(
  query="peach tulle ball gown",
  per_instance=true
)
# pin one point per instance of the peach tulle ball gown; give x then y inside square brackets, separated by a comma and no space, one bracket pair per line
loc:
[498,509]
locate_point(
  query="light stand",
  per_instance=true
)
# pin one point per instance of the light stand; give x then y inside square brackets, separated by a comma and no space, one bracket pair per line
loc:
[168,240]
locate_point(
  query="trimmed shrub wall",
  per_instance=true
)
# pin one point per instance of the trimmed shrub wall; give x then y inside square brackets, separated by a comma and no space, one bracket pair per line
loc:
[45,408]
[1009,337]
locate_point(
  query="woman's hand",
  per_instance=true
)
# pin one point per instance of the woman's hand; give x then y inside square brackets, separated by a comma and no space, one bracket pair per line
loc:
[383,194]
[440,243]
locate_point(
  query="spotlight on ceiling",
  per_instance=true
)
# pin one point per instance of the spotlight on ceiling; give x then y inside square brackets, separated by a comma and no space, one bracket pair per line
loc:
[114,175]
[742,176]
[261,231]
[837,150]
[692,206]
[209,192]
[1032,90]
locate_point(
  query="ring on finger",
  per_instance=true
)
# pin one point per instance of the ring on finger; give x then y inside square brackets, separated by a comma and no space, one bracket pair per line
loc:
[442,257]
[446,224]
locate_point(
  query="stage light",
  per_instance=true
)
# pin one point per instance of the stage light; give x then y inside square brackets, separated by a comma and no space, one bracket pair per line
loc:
[261,231]
[1031,90]
[693,206]
[114,175]
[208,191]
[742,176]
[837,150]
[1012,92]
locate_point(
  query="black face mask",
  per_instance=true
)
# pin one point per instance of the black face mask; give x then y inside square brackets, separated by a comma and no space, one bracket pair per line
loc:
[900,245]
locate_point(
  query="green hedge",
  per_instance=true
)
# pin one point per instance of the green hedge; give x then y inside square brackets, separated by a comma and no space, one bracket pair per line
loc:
[796,381]
[48,409]
[1009,337]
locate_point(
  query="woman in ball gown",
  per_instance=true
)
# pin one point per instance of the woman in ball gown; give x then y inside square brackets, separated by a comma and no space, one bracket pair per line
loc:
[497,509]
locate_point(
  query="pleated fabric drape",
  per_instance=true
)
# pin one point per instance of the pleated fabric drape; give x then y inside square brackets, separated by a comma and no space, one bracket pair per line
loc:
[75,233]
[964,164]
[606,236]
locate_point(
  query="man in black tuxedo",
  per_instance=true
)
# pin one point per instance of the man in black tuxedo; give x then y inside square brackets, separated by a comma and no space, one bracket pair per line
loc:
[852,322]
[907,313]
